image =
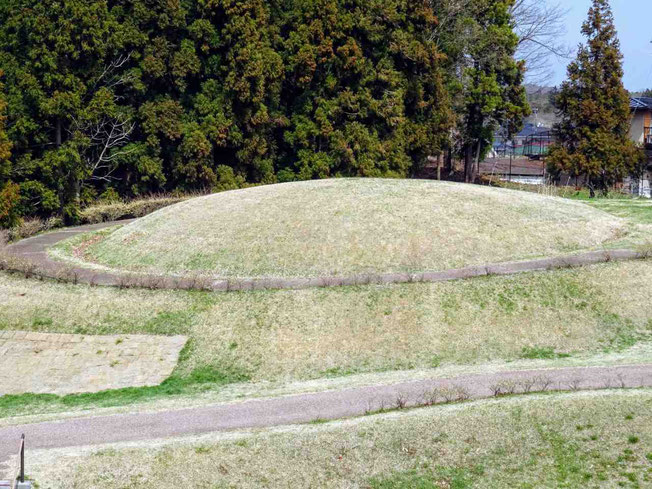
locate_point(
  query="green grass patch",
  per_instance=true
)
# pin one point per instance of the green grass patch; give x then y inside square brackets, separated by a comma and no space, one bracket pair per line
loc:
[635,210]
[453,478]
[541,353]
[568,463]
[200,379]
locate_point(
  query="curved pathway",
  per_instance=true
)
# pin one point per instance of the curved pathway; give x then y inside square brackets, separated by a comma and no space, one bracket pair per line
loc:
[307,407]
[32,255]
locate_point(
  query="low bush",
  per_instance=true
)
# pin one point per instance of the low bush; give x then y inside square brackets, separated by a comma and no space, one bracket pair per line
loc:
[554,190]
[104,211]
[114,211]
[9,198]
[31,227]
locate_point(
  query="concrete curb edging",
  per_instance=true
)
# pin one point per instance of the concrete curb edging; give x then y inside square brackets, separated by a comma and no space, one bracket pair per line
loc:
[34,260]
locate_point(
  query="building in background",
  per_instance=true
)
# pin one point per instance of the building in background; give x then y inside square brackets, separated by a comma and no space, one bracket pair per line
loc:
[641,133]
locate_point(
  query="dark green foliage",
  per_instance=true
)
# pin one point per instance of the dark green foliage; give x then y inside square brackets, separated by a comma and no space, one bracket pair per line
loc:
[9,192]
[5,144]
[9,198]
[493,94]
[138,96]
[593,134]
[368,91]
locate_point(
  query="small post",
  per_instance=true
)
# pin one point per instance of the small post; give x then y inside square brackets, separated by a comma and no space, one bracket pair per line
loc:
[439,157]
[22,458]
[511,156]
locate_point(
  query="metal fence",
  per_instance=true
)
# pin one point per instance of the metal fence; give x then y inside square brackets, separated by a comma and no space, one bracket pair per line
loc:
[538,145]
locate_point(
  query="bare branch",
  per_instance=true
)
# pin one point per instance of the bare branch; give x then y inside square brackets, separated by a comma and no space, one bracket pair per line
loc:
[539,25]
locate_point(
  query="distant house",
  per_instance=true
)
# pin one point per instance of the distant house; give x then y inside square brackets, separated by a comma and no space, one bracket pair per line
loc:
[534,142]
[641,133]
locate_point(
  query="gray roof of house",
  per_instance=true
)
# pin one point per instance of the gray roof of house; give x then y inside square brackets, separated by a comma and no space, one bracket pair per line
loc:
[640,103]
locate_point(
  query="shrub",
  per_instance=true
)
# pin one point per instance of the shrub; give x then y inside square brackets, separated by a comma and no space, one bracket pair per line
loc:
[103,212]
[37,200]
[113,211]
[110,195]
[31,227]
[9,199]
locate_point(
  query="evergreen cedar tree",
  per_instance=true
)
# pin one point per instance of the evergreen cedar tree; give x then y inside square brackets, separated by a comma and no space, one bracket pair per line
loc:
[9,191]
[593,134]
[494,94]
[127,97]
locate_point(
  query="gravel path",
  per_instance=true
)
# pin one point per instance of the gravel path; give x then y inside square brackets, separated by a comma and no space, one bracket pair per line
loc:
[303,408]
[34,251]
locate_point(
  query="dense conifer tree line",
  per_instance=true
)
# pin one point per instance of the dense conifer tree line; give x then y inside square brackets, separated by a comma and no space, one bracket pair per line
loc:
[127,97]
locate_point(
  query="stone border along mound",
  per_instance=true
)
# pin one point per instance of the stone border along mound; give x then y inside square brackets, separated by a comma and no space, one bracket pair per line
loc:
[31,258]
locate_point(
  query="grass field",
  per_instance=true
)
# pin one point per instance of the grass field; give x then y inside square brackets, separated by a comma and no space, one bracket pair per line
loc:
[298,335]
[306,334]
[288,336]
[345,226]
[587,440]
[299,339]
[636,210]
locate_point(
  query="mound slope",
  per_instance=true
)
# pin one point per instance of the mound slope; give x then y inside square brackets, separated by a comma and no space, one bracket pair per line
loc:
[346,226]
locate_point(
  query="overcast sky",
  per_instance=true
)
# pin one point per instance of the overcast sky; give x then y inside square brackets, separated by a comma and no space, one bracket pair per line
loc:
[634,24]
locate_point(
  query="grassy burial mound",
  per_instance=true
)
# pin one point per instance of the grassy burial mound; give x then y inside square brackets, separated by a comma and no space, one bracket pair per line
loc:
[348,226]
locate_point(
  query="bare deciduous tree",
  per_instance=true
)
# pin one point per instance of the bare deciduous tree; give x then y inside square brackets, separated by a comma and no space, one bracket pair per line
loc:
[104,137]
[107,128]
[539,25]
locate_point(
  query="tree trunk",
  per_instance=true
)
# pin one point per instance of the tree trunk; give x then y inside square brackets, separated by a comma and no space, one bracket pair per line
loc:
[59,131]
[476,167]
[468,162]
[58,142]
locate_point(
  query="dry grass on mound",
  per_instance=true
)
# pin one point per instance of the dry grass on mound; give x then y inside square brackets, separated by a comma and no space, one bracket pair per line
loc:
[294,335]
[586,440]
[335,227]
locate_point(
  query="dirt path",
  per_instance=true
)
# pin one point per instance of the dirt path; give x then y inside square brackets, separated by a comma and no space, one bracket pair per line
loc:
[305,408]
[34,251]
